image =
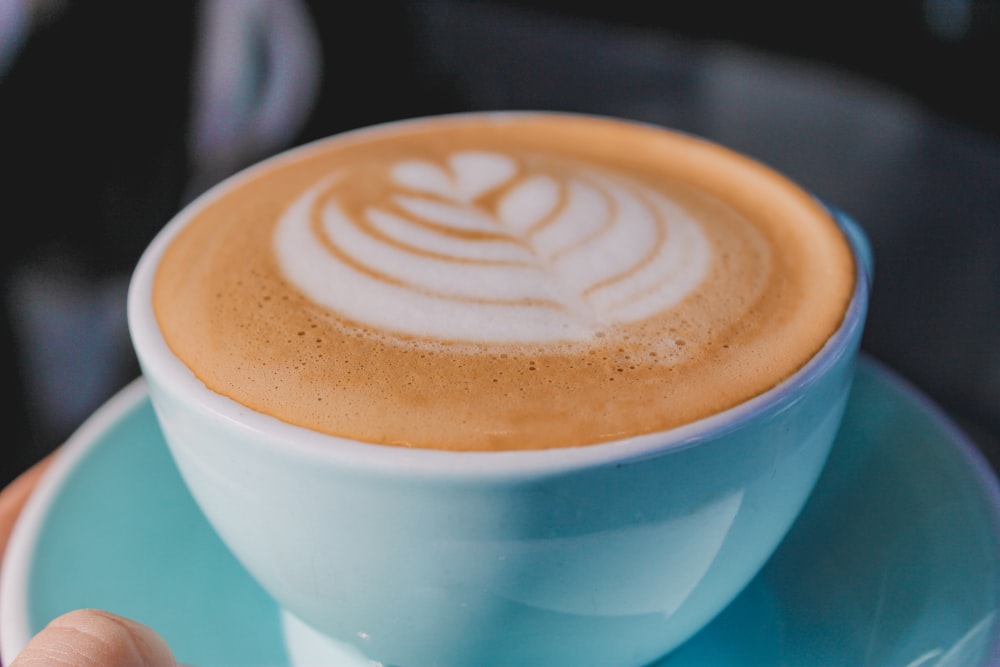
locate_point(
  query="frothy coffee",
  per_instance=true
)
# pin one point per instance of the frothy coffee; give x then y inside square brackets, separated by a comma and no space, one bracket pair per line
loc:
[502,281]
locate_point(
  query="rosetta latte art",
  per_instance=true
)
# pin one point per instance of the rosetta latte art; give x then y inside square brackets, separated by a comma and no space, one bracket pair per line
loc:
[490,248]
[501,281]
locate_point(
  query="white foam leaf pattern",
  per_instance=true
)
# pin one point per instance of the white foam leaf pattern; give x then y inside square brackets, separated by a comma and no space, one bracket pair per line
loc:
[448,214]
[545,257]
[528,203]
[471,174]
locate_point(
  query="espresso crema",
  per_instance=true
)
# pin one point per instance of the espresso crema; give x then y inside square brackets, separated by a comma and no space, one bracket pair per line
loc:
[502,281]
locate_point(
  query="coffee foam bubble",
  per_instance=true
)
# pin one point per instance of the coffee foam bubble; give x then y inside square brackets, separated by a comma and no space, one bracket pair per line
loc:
[502,282]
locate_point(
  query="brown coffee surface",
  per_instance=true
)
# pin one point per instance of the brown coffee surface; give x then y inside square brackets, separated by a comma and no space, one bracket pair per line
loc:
[502,281]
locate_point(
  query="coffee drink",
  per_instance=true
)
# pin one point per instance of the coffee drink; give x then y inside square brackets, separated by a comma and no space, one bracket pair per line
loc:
[502,281]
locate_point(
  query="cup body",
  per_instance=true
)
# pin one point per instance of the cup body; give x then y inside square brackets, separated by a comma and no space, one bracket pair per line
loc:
[604,555]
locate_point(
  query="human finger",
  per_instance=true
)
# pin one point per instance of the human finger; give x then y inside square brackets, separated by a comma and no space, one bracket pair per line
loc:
[94,638]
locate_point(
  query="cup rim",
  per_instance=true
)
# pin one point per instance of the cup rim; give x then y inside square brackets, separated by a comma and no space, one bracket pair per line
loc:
[312,446]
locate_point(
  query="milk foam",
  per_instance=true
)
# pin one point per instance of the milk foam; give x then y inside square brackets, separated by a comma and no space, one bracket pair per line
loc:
[487,247]
[496,282]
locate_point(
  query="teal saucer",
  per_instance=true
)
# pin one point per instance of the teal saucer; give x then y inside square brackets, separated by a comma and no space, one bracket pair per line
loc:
[895,560]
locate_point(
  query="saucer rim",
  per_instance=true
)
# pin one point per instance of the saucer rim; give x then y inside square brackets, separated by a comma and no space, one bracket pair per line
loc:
[985,476]
[15,566]
[17,560]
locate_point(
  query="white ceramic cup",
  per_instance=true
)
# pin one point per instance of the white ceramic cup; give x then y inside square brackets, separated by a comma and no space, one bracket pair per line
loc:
[605,555]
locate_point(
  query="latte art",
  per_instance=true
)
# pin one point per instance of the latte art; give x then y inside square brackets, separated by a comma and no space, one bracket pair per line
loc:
[501,281]
[488,247]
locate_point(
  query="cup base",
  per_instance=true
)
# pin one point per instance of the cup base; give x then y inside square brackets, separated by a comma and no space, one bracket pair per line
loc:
[308,647]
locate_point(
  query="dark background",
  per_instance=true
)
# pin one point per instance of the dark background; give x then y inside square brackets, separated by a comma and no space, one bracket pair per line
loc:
[889,113]
[943,53]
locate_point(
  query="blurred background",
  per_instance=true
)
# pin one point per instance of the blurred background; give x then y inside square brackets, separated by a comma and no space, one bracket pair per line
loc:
[114,114]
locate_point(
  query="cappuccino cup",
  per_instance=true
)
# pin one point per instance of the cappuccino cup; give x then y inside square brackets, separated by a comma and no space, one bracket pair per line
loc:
[506,388]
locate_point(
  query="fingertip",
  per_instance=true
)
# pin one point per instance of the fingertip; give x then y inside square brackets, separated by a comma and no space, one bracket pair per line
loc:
[92,638]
